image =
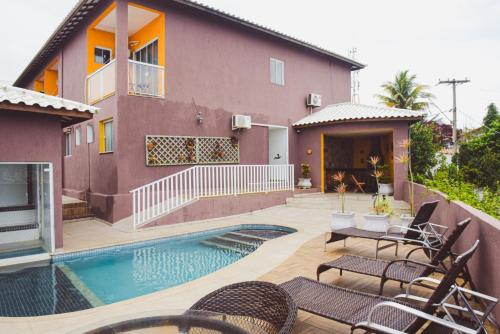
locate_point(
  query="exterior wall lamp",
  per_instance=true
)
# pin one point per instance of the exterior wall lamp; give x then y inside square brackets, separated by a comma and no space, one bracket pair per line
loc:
[199,117]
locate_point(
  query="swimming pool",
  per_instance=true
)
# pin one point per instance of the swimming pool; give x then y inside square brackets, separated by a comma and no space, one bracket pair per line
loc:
[88,279]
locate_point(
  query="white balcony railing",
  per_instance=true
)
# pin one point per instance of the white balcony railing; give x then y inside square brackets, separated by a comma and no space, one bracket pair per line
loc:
[146,79]
[177,190]
[101,83]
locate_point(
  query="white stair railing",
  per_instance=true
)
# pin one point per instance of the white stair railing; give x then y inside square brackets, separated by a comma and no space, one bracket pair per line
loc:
[177,190]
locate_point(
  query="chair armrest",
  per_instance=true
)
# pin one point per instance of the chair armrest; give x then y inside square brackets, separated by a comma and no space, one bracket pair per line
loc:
[370,324]
[477,294]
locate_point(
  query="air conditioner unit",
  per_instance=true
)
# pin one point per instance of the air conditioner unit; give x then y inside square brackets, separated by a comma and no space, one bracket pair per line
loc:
[314,100]
[241,122]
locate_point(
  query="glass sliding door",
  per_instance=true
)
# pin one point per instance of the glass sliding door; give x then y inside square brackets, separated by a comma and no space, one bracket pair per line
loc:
[146,74]
[26,206]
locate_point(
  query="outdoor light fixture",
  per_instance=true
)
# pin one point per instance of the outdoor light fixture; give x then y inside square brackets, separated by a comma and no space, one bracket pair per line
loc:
[309,151]
[298,131]
[199,117]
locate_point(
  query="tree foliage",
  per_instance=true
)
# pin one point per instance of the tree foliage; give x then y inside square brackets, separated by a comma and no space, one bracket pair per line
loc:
[405,93]
[492,115]
[479,157]
[424,149]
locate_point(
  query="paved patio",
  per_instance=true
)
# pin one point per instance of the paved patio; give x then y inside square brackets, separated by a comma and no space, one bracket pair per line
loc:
[276,260]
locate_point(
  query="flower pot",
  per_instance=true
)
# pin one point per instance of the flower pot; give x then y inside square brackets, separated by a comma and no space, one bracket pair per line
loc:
[342,220]
[385,188]
[406,220]
[376,223]
[304,183]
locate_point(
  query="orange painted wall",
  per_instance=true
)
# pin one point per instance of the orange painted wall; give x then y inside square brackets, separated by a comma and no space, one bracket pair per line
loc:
[155,29]
[99,38]
[38,86]
[50,82]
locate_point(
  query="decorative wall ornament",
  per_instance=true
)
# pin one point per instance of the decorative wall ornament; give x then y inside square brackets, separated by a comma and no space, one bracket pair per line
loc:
[184,150]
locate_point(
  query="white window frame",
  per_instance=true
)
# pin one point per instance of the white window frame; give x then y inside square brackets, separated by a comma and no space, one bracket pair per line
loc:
[106,49]
[277,62]
[104,134]
[78,135]
[90,134]
[68,148]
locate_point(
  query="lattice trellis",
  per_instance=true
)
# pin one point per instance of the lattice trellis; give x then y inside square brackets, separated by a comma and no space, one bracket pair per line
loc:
[182,150]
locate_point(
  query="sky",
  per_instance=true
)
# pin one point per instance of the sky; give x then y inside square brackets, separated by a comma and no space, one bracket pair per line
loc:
[432,39]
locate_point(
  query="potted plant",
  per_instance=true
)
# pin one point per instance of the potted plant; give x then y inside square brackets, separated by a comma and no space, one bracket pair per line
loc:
[305,180]
[378,219]
[405,159]
[341,219]
[385,186]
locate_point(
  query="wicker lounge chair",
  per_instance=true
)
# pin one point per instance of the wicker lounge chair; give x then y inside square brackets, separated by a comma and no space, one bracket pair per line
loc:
[264,304]
[376,313]
[401,270]
[413,234]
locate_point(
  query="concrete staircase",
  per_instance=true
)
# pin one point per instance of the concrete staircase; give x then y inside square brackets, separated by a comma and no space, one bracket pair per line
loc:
[74,209]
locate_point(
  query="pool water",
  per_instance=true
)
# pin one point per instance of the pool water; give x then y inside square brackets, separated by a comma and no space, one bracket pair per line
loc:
[88,279]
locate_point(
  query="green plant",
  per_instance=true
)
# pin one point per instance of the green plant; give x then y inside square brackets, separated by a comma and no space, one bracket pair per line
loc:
[382,205]
[305,170]
[377,174]
[448,179]
[340,189]
[405,159]
[405,93]
[491,115]
[423,150]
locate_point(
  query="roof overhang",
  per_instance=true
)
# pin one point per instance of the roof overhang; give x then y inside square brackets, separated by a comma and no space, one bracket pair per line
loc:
[67,117]
[84,7]
[355,113]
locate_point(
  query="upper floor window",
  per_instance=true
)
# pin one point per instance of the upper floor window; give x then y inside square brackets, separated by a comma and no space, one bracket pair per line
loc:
[148,54]
[102,55]
[277,71]
[67,144]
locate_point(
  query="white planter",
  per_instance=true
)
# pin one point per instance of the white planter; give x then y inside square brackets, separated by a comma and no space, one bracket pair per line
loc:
[385,189]
[406,220]
[342,220]
[376,223]
[304,183]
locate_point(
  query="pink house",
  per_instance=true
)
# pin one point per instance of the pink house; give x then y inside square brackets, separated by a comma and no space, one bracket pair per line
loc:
[198,106]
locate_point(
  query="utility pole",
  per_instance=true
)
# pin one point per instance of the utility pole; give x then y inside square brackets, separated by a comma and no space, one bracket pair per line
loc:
[454,84]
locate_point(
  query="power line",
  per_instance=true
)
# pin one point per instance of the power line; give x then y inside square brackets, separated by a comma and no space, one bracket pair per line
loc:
[454,84]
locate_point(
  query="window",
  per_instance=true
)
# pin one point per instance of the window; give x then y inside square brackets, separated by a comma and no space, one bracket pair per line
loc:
[102,55]
[78,134]
[277,71]
[106,136]
[148,54]
[90,134]
[67,146]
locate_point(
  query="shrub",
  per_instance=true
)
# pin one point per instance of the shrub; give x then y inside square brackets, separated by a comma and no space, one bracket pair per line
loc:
[424,150]
[448,179]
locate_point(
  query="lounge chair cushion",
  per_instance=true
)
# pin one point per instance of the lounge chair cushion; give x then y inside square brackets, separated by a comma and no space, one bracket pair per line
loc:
[344,305]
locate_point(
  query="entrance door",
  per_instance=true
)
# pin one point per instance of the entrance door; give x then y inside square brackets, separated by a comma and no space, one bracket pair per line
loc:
[278,146]
[146,76]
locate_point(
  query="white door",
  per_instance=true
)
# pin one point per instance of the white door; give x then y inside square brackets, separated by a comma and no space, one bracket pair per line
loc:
[278,146]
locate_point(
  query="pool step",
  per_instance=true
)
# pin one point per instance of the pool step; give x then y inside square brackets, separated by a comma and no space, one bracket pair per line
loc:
[263,234]
[230,244]
[245,237]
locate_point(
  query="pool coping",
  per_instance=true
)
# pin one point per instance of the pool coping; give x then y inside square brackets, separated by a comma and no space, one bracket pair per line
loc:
[268,256]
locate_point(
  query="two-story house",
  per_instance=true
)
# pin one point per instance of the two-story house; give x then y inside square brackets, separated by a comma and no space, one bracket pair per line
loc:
[174,80]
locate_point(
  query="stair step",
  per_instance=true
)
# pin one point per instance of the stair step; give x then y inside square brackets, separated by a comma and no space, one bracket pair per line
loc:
[264,234]
[245,237]
[77,210]
[230,245]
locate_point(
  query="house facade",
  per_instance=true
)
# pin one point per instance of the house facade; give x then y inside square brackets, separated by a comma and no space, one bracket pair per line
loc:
[31,168]
[170,77]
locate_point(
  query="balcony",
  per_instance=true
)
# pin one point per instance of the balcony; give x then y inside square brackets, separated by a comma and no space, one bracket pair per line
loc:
[143,80]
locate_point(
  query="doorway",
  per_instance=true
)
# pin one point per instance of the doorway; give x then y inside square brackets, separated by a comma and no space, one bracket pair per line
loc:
[26,207]
[278,145]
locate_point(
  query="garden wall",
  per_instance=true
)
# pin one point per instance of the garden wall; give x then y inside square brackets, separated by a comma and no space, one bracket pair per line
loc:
[485,265]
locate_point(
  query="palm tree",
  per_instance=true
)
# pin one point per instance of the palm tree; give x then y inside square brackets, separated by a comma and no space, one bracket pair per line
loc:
[405,93]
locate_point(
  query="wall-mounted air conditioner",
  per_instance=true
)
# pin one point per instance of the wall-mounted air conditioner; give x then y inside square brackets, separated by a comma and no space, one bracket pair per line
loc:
[241,122]
[314,100]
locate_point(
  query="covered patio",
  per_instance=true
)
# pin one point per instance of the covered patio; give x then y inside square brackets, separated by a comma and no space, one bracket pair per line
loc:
[342,137]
